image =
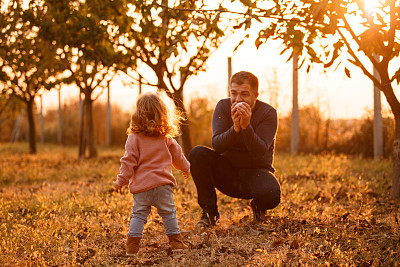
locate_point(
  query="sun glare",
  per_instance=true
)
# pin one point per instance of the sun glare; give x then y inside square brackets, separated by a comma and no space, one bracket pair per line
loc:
[370,5]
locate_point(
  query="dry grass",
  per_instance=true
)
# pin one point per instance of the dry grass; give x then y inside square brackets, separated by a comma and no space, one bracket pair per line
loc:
[55,211]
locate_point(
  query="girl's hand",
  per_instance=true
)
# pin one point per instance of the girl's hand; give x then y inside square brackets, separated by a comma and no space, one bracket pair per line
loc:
[186,174]
[116,185]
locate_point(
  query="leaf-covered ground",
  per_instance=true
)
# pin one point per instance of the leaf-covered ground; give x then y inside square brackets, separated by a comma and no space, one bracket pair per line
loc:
[55,211]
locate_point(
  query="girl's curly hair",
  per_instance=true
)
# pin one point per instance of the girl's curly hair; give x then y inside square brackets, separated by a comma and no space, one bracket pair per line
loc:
[152,117]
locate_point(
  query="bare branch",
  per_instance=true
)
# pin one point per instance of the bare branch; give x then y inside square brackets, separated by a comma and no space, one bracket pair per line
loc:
[350,30]
[352,53]
[137,80]
[392,30]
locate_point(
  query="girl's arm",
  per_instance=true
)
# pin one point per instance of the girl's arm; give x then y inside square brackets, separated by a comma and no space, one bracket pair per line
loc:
[128,163]
[179,160]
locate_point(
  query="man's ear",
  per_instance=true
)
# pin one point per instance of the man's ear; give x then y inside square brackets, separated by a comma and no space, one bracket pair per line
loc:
[257,94]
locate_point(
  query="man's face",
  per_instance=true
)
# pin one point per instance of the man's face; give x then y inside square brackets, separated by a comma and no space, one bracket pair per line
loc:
[243,93]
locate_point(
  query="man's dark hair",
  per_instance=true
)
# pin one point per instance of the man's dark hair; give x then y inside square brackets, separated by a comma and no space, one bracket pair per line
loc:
[242,77]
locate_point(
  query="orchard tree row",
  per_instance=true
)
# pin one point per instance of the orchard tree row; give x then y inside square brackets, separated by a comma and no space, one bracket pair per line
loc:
[49,43]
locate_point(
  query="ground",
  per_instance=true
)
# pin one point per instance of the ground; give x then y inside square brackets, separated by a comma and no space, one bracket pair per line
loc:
[55,210]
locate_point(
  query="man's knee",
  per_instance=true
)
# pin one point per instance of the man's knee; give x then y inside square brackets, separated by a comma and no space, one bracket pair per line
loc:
[198,154]
[268,194]
[269,199]
[274,199]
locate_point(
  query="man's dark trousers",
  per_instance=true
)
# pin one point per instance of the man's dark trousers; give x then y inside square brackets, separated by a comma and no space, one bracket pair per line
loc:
[211,170]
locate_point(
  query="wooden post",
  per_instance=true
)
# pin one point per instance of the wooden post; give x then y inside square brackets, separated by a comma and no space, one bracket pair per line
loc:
[41,120]
[17,127]
[59,130]
[26,127]
[378,125]
[140,84]
[229,75]
[80,107]
[108,120]
[295,107]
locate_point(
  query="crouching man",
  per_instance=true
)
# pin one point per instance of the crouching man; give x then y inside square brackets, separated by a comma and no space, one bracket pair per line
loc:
[241,163]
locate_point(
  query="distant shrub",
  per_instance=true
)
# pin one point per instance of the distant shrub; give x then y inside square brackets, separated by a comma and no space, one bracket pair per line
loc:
[313,131]
[71,124]
[360,140]
[340,136]
[10,108]
[200,116]
[317,134]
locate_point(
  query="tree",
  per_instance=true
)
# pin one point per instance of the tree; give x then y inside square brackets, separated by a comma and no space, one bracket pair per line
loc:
[174,41]
[332,32]
[27,62]
[295,108]
[83,32]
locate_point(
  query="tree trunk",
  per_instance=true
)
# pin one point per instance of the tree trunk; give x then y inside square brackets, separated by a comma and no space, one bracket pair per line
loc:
[41,120]
[395,107]
[87,139]
[82,133]
[396,167]
[60,127]
[187,143]
[378,126]
[295,108]
[89,127]
[31,122]
[396,156]
[108,118]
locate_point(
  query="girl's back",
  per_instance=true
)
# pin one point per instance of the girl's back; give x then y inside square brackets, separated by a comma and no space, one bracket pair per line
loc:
[148,161]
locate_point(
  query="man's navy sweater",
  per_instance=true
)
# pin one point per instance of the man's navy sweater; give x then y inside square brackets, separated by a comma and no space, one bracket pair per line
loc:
[252,147]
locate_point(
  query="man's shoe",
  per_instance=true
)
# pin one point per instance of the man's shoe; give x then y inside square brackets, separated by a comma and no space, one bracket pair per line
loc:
[208,219]
[258,215]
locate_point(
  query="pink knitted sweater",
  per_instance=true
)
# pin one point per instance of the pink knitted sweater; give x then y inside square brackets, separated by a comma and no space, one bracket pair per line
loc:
[148,161]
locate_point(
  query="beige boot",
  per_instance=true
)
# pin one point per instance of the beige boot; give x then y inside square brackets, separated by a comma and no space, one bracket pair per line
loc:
[176,242]
[132,245]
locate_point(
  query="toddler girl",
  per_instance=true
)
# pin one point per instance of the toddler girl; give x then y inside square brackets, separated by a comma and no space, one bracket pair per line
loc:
[150,151]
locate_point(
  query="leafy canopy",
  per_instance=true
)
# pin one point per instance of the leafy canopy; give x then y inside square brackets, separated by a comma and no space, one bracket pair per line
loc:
[331,31]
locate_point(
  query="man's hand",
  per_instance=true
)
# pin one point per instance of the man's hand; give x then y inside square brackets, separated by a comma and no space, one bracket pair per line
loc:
[242,110]
[235,117]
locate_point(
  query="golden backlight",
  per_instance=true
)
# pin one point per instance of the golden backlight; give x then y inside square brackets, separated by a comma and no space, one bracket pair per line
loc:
[370,5]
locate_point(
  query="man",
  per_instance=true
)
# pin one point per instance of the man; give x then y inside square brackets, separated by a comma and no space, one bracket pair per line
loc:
[240,165]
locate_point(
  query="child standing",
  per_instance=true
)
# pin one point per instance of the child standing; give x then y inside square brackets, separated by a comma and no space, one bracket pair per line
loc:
[150,151]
